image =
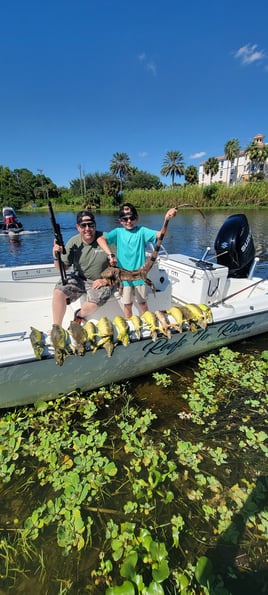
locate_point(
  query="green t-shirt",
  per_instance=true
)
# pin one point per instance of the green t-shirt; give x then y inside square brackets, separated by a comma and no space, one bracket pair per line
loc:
[88,260]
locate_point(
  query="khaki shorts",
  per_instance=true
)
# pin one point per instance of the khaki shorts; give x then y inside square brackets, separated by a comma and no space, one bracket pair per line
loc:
[77,287]
[130,292]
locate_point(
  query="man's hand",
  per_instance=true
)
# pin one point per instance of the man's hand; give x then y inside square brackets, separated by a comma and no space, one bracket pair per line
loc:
[56,249]
[98,283]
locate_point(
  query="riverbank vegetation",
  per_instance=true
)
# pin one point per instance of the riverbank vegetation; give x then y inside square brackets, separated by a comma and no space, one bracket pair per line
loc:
[113,493]
[23,190]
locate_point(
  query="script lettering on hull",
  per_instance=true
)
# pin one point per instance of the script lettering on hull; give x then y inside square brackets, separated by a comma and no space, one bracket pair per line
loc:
[211,335]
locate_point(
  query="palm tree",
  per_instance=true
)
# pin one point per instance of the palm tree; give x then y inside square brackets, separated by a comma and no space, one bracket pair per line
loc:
[120,167]
[232,150]
[173,165]
[211,167]
[257,153]
[191,175]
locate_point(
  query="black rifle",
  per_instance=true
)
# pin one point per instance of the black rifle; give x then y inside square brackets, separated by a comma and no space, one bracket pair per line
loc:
[60,242]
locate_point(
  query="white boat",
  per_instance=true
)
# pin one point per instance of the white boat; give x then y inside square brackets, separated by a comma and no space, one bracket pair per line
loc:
[237,308]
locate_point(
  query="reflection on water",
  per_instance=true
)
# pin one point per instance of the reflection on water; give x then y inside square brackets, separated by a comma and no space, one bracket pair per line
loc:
[14,245]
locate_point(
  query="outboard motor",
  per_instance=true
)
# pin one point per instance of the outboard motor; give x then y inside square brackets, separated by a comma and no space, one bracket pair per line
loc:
[235,238]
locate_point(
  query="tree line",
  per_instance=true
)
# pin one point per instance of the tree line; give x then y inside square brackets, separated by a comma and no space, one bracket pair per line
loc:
[20,187]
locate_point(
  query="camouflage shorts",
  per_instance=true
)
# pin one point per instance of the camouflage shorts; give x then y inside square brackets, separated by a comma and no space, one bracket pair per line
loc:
[76,287]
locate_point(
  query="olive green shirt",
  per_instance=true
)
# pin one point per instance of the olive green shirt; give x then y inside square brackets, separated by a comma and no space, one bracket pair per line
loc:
[88,260]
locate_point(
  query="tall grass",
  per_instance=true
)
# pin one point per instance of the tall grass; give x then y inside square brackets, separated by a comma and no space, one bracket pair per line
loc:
[254,194]
[215,195]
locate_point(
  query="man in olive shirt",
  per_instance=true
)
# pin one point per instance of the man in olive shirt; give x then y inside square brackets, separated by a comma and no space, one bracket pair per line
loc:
[88,259]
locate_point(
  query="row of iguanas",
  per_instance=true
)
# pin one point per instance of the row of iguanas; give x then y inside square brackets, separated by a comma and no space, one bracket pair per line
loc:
[91,336]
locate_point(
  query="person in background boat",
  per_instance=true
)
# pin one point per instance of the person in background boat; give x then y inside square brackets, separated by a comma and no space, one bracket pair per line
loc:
[10,218]
[130,241]
[88,255]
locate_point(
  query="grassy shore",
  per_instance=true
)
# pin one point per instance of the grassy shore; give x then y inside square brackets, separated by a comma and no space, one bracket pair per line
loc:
[215,196]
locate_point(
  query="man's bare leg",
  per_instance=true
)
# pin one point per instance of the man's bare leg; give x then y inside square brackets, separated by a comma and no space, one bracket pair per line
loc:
[58,306]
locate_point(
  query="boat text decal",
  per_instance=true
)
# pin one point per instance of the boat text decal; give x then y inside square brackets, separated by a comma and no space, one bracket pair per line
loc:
[210,335]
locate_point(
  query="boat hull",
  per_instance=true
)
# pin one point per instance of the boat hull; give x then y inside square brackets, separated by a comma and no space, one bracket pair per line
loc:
[11,232]
[29,380]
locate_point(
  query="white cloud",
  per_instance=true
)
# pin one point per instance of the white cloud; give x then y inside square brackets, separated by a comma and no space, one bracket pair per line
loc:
[143,154]
[197,155]
[249,54]
[151,67]
[148,64]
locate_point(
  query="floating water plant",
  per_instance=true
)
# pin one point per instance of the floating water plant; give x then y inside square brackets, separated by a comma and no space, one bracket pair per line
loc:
[138,500]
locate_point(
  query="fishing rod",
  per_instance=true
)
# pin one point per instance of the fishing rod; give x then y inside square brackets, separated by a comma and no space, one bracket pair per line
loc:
[228,297]
[59,239]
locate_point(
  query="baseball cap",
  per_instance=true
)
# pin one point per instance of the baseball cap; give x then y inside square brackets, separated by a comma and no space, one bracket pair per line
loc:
[126,208]
[83,214]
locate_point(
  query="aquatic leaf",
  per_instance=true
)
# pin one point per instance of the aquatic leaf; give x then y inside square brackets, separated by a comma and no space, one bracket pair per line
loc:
[78,521]
[203,570]
[68,462]
[111,469]
[161,572]
[40,406]
[127,569]
[261,436]
[126,588]
[154,589]
[158,551]
[80,543]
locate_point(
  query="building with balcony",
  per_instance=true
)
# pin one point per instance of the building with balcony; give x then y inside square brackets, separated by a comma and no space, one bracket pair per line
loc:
[234,172]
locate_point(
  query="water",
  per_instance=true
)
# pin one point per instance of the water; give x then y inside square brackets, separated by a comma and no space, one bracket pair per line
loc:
[187,233]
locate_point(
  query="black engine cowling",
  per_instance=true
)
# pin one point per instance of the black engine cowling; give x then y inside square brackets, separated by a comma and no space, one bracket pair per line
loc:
[236,239]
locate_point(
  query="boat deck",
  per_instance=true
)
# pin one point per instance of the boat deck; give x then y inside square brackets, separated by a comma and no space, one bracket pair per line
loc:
[17,317]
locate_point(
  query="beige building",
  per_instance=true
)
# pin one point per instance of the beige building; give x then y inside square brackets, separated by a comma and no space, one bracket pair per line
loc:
[236,172]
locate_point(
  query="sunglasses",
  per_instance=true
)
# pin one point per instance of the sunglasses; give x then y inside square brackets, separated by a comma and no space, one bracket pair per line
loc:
[128,218]
[87,224]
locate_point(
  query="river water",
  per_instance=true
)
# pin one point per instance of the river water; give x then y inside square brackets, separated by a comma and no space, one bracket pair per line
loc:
[187,233]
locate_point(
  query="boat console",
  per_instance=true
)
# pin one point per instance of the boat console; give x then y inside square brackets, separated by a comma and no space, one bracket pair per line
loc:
[194,279]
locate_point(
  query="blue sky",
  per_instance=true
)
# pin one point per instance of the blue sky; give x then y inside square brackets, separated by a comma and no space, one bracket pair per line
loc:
[82,80]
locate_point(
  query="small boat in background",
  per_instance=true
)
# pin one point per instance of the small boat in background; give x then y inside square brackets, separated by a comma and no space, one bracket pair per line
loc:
[9,224]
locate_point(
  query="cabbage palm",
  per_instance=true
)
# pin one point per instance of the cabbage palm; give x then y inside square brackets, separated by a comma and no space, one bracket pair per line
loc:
[173,165]
[191,175]
[120,167]
[211,167]
[232,150]
[257,153]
